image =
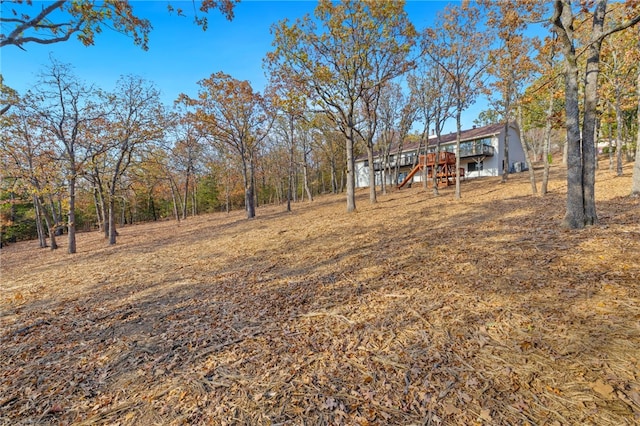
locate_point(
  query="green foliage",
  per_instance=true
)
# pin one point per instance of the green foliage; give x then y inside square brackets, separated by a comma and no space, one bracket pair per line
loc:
[487,117]
[18,222]
[627,148]
[208,195]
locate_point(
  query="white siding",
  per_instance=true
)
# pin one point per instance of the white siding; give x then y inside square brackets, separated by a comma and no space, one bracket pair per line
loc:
[491,165]
[362,174]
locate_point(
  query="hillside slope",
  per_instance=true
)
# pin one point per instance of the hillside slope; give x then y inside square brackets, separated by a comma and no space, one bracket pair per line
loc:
[415,310]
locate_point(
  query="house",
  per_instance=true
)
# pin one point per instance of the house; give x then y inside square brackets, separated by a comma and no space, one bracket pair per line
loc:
[481,154]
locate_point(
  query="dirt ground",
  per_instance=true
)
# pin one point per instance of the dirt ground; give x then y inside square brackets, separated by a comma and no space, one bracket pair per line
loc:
[417,310]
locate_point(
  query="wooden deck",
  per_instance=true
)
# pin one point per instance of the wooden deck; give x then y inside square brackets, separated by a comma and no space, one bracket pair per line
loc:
[445,169]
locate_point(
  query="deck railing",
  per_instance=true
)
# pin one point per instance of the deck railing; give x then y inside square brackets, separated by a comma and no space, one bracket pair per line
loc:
[403,161]
[473,149]
[467,149]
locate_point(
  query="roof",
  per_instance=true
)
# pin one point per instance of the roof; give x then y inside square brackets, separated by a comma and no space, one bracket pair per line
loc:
[472,134]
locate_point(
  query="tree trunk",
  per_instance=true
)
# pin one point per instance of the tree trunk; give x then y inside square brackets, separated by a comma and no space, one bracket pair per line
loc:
[320,178]
[291,162]
[424,139]
[101,204]
[528,154]
[383,179]
[372,173]
[574,216]
[532,174]
[254,186]
[112,219]
[396,167]
[279,186]
[384,166]
[96,202]
[351,178]
[104,211]
[334,176]
[42,238]
[458,131]
[305,173]
[123,212]
[227,197]
[434,171]
[53,227]
[194,198]
[425,171]
[610,145]
[635,183]
[289,188]
[174,199]
[186,193]
[505,167]
[72,213]
[591,116]
[12,205]
[249,196]
[618,133]
[152,207]
[50,224]
[547,147]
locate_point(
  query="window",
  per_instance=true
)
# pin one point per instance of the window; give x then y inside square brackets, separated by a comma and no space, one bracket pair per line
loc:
[475,166]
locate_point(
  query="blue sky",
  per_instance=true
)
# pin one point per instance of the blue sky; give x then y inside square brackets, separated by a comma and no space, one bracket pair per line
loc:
[181,53]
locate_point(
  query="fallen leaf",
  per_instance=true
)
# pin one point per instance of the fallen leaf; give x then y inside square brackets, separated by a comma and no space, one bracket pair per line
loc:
[603,389]
[485,414]
[525,345]
[554,390]
[450,409]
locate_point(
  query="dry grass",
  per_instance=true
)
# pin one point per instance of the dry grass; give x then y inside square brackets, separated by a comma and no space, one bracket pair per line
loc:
[415,310]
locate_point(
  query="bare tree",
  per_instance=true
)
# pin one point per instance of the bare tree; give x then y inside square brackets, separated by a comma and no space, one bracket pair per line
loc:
[511,65]
[344,62]
[28,157]
[135,120]
[68,108]
[434,93]
[397,112]
[458,46]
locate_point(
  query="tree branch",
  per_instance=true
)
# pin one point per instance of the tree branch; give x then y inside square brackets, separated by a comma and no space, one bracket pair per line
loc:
[14,37]
[621,27]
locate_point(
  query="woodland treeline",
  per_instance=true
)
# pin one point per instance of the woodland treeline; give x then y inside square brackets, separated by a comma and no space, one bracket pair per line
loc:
[356,78]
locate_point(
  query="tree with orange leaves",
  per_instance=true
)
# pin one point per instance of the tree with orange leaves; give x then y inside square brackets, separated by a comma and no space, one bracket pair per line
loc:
[343,58]
[33,22]
[233,116]
[460,48]
[511,63]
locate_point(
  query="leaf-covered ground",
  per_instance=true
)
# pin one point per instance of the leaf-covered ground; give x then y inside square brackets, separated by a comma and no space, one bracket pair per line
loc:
[415,310]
